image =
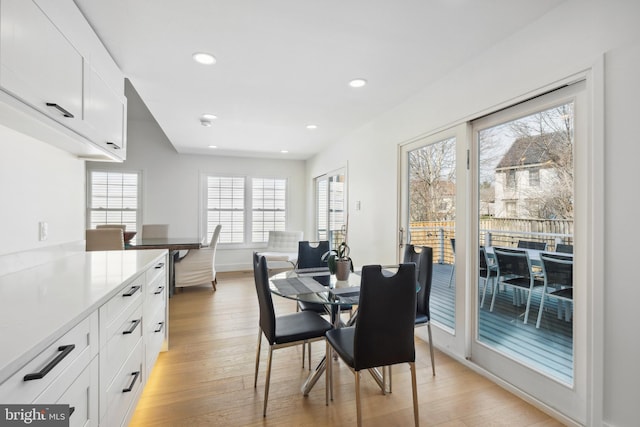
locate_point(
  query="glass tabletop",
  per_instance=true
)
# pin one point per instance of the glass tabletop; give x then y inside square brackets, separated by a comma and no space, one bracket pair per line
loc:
[316,286]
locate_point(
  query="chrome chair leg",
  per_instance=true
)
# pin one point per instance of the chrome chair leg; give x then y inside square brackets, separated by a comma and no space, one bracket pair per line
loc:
[309,350]
[255,378]
[266,386]
[433,363]
[328,372]
[414,386]
[358,408]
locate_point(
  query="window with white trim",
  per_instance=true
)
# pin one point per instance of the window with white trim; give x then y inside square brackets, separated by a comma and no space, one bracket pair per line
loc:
[113,198]
[246,207]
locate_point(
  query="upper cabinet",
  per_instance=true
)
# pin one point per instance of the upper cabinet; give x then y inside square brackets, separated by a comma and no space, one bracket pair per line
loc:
[57,81]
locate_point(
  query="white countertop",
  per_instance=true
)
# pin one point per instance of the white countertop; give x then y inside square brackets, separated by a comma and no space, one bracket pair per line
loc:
[40,304]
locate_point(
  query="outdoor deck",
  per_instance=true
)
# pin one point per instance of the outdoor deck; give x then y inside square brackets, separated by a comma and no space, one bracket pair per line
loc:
[548,349]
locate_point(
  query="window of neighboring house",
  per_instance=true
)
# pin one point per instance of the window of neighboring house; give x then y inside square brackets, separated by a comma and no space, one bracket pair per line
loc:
[534,177]
[511,209]
[511,178]
[113,198]
[247,208]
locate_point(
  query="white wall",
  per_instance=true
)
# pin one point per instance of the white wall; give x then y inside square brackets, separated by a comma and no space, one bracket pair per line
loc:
[38,183]
[171,181]
[568,40]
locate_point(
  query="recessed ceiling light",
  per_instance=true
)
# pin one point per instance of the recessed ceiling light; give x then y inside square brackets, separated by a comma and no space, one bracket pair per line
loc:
[204,58]
[312,127]
[213,146]
[284,151]
[205,123]
[208,116]
[357,82]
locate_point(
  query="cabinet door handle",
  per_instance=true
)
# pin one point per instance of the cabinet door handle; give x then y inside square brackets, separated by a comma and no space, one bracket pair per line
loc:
[133,327]
[72,409]
[64,112]
[160,326]
[159,266]
[159,290]
[132,291]
[135,374]
[65,349]
[114,145]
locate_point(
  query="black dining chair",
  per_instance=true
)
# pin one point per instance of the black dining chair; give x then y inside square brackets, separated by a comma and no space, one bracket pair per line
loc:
[514,270]
[422,257]
[558,281]
[384,333]
[528,244]
[281,331]
[453,267]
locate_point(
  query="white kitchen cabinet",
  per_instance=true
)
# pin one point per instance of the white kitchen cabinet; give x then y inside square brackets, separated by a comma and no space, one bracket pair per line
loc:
[38,64]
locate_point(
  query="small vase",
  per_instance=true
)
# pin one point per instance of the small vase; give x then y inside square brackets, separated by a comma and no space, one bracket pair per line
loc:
[343,268]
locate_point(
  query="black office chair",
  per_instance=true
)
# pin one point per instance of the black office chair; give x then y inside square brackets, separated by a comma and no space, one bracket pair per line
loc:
[564,248]
[384,333]
[281,331]
[558,281]
[488,271]
[527,244]
[514,270]
[423,259]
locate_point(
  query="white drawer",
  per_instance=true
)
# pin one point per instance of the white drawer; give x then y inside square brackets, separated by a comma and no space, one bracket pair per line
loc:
[157,272]
[71,353]
[155,294]
[128,296]
[121,340]
[154,334]
[125,388]
[81,395]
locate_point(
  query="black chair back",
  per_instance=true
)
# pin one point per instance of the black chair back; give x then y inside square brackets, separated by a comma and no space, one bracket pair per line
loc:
[558,270]
[567,249]
[386,318]
[512,263]
[422,257]
[526,244]
[310,253]
[267,312]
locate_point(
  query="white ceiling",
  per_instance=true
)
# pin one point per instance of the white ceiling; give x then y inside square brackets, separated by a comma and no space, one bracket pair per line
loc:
[284,64]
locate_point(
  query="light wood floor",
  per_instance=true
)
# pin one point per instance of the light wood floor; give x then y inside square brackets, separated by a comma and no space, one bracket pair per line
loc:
[206,377]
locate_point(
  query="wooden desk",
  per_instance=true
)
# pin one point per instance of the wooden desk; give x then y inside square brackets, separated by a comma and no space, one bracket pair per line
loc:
[173,245]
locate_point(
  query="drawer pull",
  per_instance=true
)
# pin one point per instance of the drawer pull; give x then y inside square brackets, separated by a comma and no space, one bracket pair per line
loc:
[159,266]
[159,290]
[160,326]
[65,349]
[132,328]
[132,291]
[72,409]
[64,112]
[135,374]
[114,145]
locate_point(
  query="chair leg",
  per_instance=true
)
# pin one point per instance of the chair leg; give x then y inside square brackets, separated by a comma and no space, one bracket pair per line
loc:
[414,387]
[304,344]
[214,282]
[266,386]
[255,378]
[493,298]
[433,363]
[328,376]
[453,269]
[358,408]
[309,353]
[544,293]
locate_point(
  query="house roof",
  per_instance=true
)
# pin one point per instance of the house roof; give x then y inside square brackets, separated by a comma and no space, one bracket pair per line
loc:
[532,150]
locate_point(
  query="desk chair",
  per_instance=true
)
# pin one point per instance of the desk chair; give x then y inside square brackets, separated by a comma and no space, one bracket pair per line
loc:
[199,265]
[281,331]
[422,257]
[384,333]
[514,270]
[558,282]
[104,239]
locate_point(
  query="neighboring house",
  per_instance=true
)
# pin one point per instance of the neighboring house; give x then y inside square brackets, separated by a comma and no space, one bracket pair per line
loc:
[531,181]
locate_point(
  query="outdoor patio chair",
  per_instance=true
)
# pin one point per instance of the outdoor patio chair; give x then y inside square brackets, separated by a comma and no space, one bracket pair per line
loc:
[527,244]
[558,282]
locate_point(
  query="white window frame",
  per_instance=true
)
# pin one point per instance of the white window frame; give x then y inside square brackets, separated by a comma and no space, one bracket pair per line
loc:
[248,209]
[89,196]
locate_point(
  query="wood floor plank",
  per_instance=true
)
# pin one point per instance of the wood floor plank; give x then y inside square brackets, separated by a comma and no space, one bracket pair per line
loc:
[206,377]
